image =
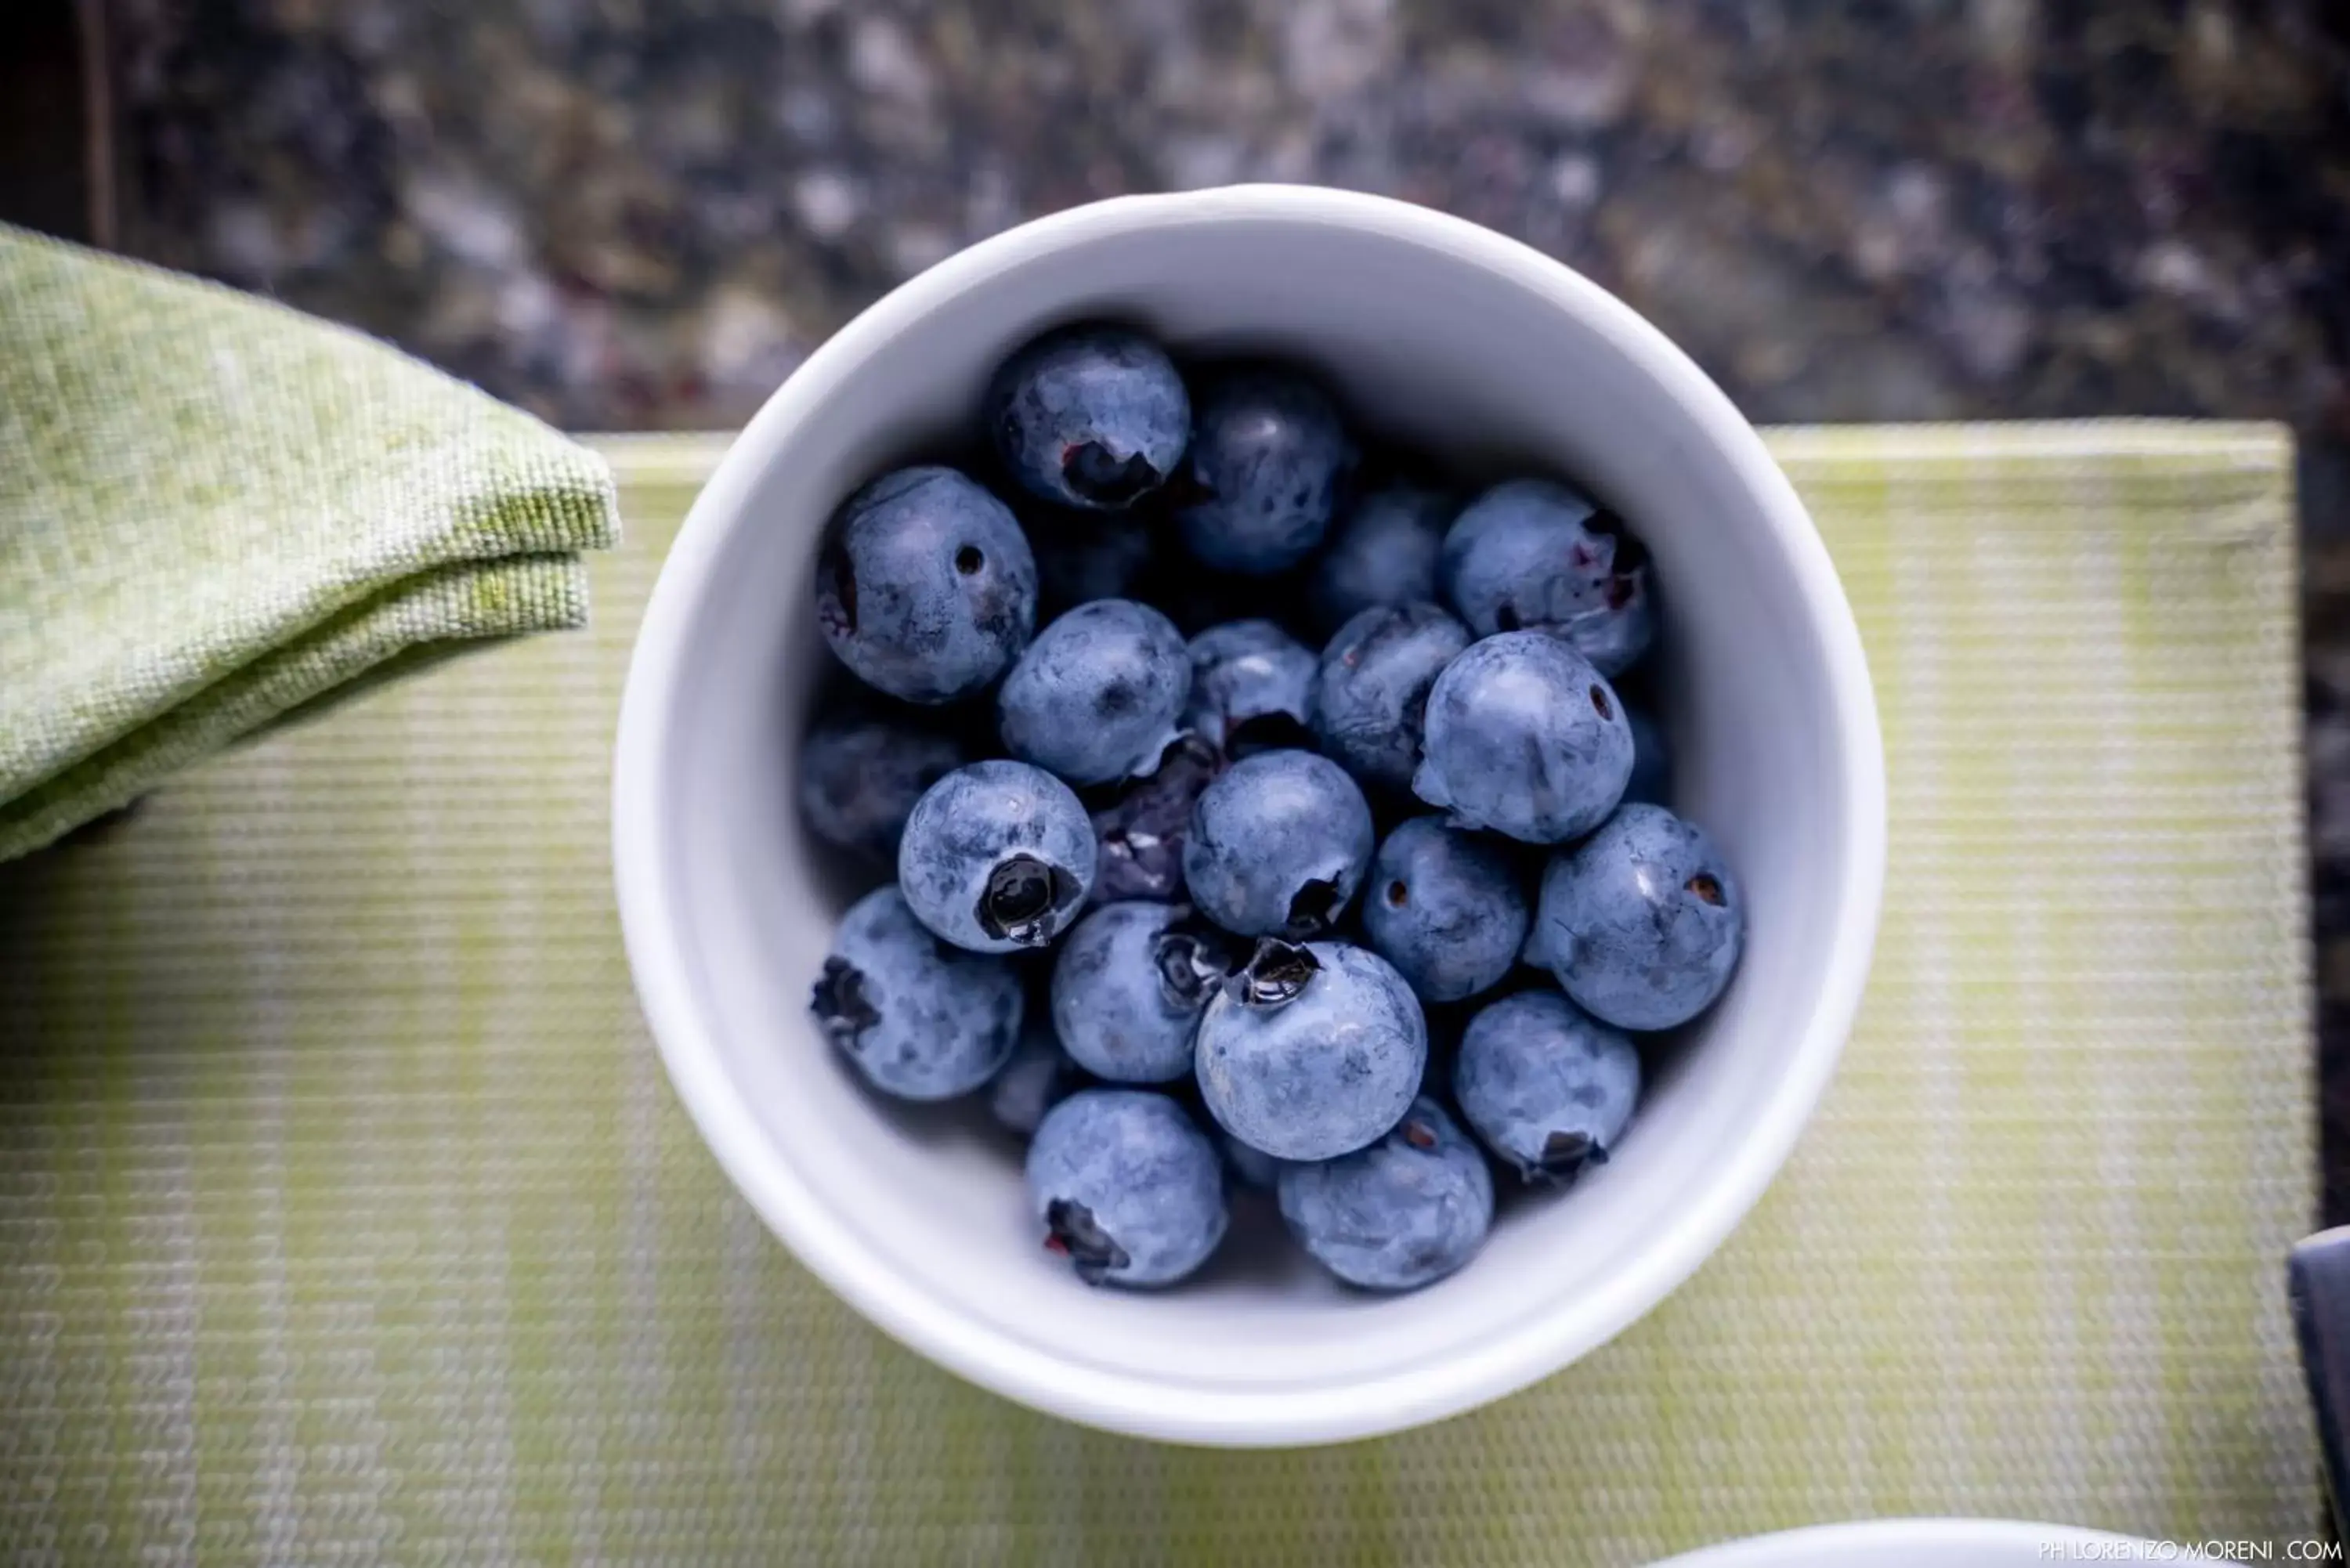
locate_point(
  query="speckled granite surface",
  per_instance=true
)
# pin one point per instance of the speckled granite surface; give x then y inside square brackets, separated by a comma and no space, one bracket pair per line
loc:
[642,212]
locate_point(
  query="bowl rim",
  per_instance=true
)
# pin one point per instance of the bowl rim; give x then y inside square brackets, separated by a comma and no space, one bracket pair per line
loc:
[1121,1402]
[1872,1542]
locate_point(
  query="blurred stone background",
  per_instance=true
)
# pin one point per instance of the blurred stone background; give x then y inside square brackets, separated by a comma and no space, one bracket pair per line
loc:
[629,214]
[635,213]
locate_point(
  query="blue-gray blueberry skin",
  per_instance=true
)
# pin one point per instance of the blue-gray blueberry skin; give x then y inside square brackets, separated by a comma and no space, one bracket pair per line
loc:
[1652,759]
[1524,738]
[1403,1213]
[1252,1167]
[1268,457]
[1312,1052]
[926,587]
[1251,684]
[1127,1187]
[1444,907]
[1082,556]
[1383,550]
[1128,986]
[997,857]
[1277,845]
[860,775]
[1548,1087]
[1089,416]
[1098,694]
[1038,1076]
[1371,687]
[1140,836]
[1642,923]
[919,1019]
[1532,553]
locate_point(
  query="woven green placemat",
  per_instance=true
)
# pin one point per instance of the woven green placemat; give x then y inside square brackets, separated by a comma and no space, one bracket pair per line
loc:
[345,1213]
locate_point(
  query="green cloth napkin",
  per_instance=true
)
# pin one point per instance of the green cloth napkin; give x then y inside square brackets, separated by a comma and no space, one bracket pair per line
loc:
[347,1215]
[215,512]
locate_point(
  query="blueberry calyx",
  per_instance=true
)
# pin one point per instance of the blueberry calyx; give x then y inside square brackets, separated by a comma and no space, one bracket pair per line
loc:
[1140,834]
[1021,895]
[1276,973]
[1564,1154]
[1127,845]
[840,1004]
[1314,906]
[1191,963]
[1076,1234]
[1095,473]
[1706,887]
[1130,841]
[1630,556]
[1419,1134]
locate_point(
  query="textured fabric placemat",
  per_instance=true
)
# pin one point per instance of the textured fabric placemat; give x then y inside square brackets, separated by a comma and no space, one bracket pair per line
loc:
[215,511]
[344,1212]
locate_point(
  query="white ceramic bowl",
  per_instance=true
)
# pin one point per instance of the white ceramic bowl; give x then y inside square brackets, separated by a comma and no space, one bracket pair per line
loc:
[1467,344]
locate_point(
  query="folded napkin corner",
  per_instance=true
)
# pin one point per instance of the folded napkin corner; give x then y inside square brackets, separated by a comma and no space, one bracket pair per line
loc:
[217,514]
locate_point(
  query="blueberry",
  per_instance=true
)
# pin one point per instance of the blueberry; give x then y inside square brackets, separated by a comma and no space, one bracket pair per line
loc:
[1546,1085]
[1089,416]
[1250,684]
[1642,923]
[1098,694]
[1268,455]
[1127,1187]
[919,1019]
[1444,907]
[1140,834]
[926,589]
[1535,555]
[1370,690]
[1311,1052]
[1039,1077]
[1082,556]
[1382,552]
[1525,738]
[1277,845]
[997,855]
[1652,759]
[1252,1167]
[1405,1213]
[860,775]
[1128,987]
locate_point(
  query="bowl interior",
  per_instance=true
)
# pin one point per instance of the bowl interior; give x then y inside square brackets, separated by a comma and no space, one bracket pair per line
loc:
[1477,352]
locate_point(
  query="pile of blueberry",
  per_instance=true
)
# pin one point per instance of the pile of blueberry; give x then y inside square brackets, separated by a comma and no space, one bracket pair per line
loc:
[1261,871]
